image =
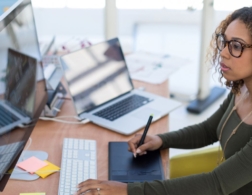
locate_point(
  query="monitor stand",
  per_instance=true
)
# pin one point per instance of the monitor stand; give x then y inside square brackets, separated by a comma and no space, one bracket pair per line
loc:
[20,174]
[197,106]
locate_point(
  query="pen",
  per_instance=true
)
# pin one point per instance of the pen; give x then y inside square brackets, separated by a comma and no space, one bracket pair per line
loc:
[145,131]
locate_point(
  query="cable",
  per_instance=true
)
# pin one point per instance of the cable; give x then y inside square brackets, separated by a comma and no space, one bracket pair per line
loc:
[70,116]
[62,121]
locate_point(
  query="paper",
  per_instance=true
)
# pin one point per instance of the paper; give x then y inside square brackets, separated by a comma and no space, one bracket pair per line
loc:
[32,164]
[153,68]
[36,193]
[47,170]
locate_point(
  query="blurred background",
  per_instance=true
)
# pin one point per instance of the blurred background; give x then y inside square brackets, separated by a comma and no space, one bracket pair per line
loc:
[172,27]
[159,26]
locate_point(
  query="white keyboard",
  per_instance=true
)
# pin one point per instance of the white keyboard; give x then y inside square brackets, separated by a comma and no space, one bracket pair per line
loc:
[78,163]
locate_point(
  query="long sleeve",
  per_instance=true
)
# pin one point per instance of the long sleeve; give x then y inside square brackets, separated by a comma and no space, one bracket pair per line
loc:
[233,176]
[230,176]
[198,135]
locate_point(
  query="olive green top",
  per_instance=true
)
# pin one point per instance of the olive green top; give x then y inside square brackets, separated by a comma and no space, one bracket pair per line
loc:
[233,176]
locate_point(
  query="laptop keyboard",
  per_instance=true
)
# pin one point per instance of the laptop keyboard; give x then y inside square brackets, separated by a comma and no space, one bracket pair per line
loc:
[6,117]
[122,107]
[7,152]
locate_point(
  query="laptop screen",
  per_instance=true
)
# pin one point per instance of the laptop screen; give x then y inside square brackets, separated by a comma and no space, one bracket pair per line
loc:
[96,74]
[20,81]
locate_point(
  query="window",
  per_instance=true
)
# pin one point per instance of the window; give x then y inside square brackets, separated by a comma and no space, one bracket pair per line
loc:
[231,4]
[183,4]
[91,4]
[142,4]
[49,3]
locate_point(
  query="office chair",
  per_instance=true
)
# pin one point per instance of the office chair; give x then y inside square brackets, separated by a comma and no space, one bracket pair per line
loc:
[200,161]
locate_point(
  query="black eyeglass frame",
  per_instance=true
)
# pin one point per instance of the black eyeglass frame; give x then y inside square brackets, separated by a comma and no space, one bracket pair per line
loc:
[229,48]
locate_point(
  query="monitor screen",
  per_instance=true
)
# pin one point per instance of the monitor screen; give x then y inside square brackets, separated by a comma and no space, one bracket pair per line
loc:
[22,86]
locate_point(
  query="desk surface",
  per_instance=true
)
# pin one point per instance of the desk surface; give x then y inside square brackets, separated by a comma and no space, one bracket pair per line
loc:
[48,136]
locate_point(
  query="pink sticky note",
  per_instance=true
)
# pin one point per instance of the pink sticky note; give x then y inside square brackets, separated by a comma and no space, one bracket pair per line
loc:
[32,164]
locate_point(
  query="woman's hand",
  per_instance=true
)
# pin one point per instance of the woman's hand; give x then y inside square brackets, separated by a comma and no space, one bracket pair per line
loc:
[151,142]
[98,187]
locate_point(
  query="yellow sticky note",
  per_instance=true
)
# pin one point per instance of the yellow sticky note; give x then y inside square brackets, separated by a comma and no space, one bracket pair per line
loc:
[47,170]
[36,193]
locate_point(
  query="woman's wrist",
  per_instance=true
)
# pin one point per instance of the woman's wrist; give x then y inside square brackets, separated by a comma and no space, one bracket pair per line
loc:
[162,146]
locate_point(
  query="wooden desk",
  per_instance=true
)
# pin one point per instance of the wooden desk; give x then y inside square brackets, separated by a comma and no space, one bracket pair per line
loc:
[48,136]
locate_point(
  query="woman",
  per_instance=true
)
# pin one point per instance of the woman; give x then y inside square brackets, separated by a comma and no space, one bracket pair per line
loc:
[231,124]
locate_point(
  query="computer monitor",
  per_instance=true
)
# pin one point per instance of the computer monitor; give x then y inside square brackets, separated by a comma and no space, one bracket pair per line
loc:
[18,34]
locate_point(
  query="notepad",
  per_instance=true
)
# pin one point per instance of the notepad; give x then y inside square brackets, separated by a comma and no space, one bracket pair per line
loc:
[32,164]
[125,168]
[36,193]
[47,170]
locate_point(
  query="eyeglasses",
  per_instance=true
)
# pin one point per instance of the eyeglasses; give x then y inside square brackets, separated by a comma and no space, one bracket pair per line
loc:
[235,47]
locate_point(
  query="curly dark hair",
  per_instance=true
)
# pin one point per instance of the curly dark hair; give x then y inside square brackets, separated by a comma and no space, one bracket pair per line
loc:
[245,15]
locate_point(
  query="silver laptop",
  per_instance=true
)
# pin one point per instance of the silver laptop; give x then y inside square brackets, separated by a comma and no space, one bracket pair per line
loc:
[18,103]
[102,91]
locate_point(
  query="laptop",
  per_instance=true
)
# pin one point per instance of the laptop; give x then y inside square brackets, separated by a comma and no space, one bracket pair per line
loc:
[17,106]
[102,91]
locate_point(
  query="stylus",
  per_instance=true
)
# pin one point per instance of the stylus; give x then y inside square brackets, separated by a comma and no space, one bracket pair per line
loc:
[145,131]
